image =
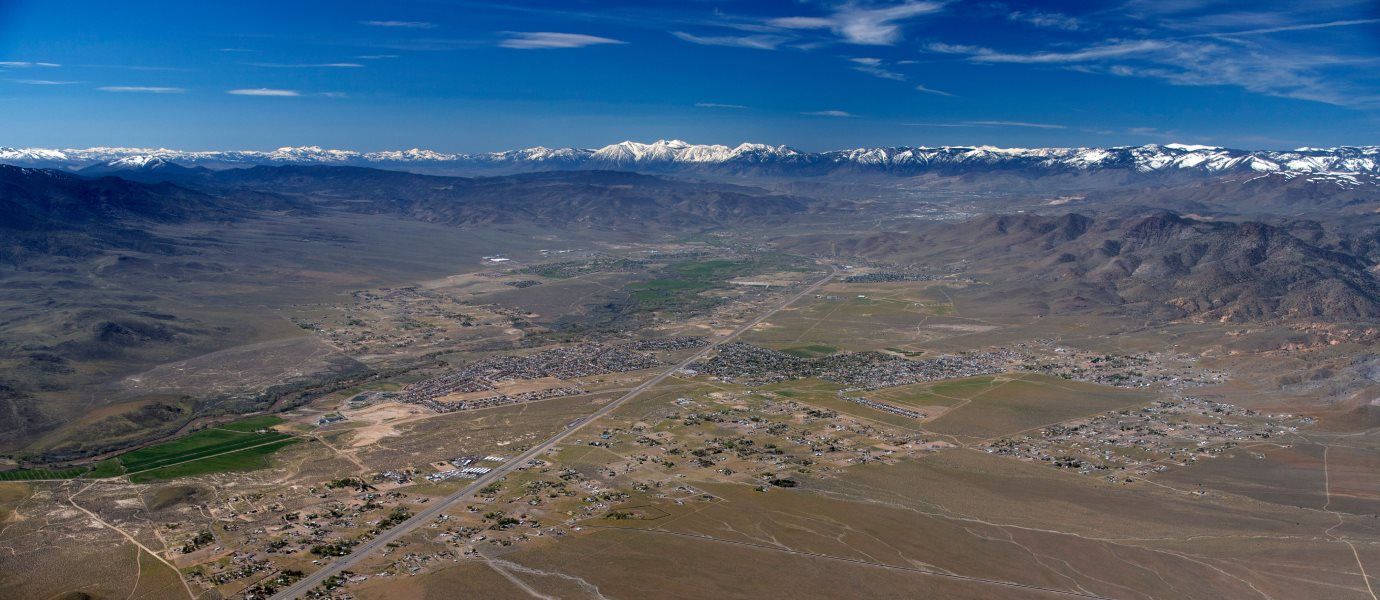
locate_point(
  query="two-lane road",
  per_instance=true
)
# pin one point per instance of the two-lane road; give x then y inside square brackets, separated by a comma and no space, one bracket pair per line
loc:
[434,510]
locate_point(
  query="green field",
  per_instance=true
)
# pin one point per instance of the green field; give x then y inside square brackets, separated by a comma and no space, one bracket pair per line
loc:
[242,460]
[234,446]
[199,445]
[31,474]
[681,282]
[103,469]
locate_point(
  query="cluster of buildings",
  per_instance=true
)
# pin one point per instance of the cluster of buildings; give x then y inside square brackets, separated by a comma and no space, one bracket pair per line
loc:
[889,276]
[667,344]
[503,399]
[566,362]
[873,370]
[1152,439]
[467,467]
[753,365]
[1121,370]
[884,407]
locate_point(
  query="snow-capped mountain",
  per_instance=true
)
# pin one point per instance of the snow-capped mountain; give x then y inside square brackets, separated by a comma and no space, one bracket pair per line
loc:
[748,158]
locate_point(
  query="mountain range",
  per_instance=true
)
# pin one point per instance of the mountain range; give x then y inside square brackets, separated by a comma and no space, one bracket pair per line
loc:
[752,159]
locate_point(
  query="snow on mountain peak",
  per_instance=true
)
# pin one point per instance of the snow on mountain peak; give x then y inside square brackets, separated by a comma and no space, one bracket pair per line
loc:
[669,154]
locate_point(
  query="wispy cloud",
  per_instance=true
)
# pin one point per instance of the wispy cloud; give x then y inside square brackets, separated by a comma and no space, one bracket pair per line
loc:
[1296,27]
[829,113]
[545,40]
[717,105]
[1046,19]
[930,90]
[43,82]
[755,42]
[945,48]
[22,64]
[147,68]
[400,24]
[1304,72]
[263,92]
[1013,124]
[1154,132]
[375,56]
[335,65]
[235,50]
[1113,50]
[991,124]
[876,68]
[142,89]
[862,24]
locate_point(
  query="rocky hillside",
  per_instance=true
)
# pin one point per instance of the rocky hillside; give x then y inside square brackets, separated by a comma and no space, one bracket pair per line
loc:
[1160,264]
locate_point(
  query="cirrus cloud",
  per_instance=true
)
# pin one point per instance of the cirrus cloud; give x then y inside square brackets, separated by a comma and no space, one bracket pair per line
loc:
[864,25]
[755,42]
[546,40]
[400,24]
[142,89]
[334,65]
[263,92]
[21,64]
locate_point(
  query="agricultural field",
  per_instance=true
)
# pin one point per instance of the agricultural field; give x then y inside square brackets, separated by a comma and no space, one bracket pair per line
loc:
[237,446]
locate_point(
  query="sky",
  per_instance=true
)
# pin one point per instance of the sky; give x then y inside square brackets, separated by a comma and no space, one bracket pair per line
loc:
[472,76]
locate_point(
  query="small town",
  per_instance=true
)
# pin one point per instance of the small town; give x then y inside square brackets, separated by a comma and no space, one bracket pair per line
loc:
[1153,439]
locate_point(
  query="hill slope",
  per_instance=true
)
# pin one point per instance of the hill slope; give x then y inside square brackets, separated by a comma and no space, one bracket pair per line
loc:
[1160,264]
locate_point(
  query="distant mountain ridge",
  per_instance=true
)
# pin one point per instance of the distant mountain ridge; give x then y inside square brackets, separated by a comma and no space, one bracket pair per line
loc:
[750,158]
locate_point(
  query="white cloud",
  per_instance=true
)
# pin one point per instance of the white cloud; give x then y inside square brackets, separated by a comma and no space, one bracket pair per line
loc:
[991,124]
[876,68]
[400,24]
[717,105]
[755,42]
[20,64]
[943,48]
[262,92]
[1301,71]
[1013,124]
[858,24]
[43,82]
[142,89]
[545,40]
[929,90]
[375,56]
[1118,49]
[829,113]
[1047,20]
[335,65]
[802,23]
[1297,27]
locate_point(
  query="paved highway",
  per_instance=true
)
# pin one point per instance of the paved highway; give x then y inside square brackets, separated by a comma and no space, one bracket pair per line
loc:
[435,509]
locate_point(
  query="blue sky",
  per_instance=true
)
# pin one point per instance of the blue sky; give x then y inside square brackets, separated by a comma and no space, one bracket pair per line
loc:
[477,76]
